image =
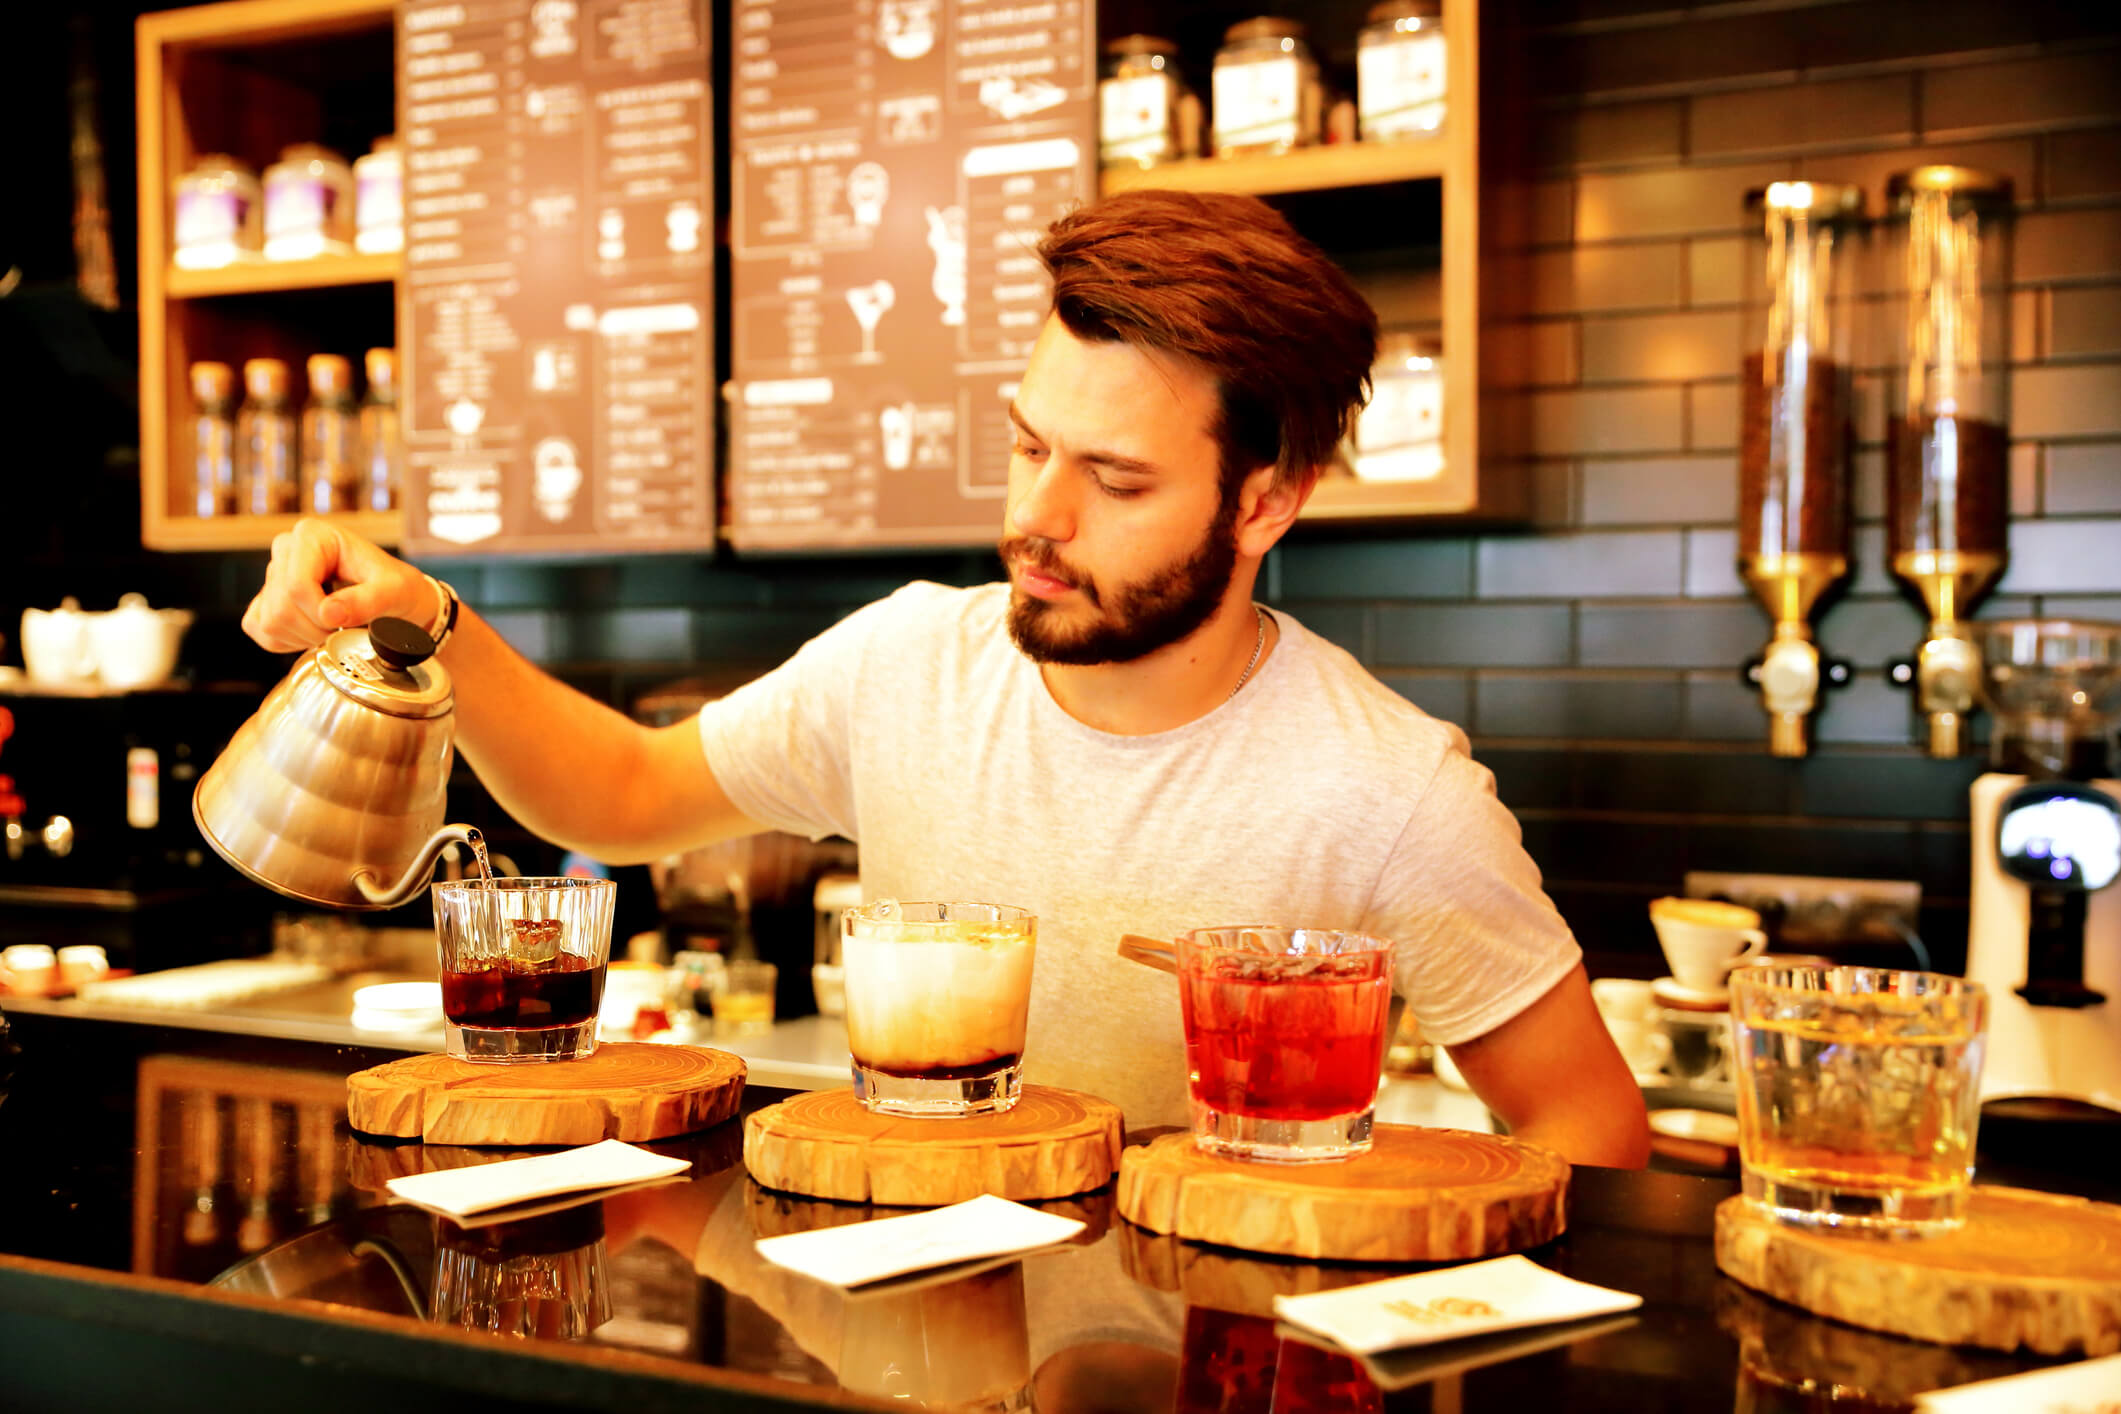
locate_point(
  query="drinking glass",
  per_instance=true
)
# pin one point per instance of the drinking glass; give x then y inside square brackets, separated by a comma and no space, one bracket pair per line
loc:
[1858,1094]
[1285,1039]
[937,998]
[523,965]
[545,1277]
[744,1005]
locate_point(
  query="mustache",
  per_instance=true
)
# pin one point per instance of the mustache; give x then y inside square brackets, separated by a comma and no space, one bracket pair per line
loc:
[1039,554]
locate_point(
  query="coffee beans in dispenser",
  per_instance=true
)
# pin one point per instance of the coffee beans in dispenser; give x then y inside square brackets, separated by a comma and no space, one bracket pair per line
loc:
[1947,260]
[1794,431]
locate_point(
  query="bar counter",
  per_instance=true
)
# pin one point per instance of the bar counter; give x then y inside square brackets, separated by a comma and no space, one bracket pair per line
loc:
[186,1222]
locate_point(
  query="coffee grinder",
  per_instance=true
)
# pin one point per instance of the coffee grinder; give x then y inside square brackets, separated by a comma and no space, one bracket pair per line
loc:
[2045,932]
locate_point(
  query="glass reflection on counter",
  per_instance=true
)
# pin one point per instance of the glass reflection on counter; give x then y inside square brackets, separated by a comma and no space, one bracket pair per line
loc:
[545,1277]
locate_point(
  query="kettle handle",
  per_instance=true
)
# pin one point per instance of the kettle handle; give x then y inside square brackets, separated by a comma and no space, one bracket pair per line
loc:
[420,870]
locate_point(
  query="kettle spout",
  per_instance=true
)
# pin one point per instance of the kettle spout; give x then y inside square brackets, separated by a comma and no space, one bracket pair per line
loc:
[421,869]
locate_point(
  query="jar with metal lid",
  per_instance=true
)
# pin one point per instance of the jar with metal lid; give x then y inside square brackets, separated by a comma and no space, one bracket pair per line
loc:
[379,198]
[1268,97]
[1400,75]
[1146,111]
[1399,434]
[309,206]
[268,479]
[217,220]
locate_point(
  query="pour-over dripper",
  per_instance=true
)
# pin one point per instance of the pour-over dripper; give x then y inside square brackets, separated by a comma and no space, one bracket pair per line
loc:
[2054,687]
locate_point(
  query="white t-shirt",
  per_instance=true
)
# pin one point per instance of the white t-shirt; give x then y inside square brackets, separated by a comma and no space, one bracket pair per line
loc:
[1316,796]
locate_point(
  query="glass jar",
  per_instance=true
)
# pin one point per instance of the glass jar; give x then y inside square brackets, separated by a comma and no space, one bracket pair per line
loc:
[1267,92]
[382,433]
[267,465]
[1399,434]
[1794,402]
[331,471]
[218,220]
[379,199]
[309,208]
[1146,112]
[213,392]
[1400,74]
[1947,254]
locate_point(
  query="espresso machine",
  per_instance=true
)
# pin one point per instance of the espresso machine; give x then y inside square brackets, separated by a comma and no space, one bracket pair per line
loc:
[2045,932]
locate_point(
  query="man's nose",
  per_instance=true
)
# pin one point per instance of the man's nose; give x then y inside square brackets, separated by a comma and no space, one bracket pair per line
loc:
[1045,507]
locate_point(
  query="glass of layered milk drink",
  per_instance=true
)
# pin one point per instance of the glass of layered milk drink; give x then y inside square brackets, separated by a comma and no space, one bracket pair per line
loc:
[937,998]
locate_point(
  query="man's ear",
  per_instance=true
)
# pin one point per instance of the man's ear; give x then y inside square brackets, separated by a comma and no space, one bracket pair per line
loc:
[1267,505]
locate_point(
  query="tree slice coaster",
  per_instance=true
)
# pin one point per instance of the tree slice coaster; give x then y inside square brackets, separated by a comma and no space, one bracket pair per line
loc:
[1052,1144]
[1243,1283]
[1419,1195]
[2038,1270]
[627,1091]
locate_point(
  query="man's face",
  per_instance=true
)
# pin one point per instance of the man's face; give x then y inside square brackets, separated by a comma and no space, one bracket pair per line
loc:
[1117,539]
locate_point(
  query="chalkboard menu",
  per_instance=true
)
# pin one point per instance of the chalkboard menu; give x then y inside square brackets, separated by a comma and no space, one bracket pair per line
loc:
[893,165]
[556,315]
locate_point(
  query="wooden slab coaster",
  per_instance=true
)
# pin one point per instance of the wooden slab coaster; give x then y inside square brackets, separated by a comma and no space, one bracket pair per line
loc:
[822,1143]
[1223,1279]
[1419,1195]
[2038,1270]
[627,1090]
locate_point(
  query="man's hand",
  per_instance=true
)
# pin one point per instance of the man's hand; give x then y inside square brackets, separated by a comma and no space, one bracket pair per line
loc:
[299,607]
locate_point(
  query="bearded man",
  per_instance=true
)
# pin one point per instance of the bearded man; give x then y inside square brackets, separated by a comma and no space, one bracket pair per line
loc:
[1119,738]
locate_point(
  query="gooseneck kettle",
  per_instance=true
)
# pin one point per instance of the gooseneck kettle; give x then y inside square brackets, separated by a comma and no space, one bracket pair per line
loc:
[334,791]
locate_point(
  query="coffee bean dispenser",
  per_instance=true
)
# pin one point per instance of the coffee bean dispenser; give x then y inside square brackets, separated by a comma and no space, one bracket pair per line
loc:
[1794,431]
[1947,263]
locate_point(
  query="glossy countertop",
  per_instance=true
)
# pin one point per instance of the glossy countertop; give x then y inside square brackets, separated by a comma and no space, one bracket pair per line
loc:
[162,1184]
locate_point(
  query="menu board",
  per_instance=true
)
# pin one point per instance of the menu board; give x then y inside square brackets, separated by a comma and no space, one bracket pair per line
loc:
[893,166]
[556,315]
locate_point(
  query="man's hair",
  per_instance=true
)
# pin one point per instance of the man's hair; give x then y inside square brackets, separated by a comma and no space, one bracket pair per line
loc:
[1227,283]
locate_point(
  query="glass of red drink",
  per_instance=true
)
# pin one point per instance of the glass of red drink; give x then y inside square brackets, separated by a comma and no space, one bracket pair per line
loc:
[523,965]
[1285,1038]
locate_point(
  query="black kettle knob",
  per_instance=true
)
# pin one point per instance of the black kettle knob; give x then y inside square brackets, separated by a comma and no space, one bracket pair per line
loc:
[400,642]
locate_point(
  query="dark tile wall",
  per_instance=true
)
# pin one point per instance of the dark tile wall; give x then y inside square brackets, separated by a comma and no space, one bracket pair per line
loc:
[1594,656]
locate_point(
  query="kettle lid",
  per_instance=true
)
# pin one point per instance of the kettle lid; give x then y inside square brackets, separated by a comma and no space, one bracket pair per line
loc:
[389,665]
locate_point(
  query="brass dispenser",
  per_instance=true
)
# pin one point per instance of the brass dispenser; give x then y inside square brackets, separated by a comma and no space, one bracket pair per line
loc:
[1793,529]
[1946,435]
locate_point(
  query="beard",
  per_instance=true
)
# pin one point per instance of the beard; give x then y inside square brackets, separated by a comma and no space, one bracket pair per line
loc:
[1135,619]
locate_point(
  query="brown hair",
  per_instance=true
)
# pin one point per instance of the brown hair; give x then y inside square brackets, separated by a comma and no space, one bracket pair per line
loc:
[1226,282]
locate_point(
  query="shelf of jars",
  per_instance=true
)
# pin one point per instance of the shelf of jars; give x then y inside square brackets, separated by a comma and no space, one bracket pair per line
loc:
[1345,164]
[279,276]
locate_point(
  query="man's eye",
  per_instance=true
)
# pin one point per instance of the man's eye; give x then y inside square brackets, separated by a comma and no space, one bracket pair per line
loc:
[1033,453]
[1118,493]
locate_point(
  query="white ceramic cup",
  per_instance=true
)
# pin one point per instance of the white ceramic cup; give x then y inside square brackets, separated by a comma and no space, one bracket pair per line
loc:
[1642,1042]
[1704,939]
[29,967]
[82,962]
[1623,999]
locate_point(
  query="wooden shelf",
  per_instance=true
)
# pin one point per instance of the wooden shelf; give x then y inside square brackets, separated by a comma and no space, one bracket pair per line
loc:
[257,532]
[276,276]
[1352,164]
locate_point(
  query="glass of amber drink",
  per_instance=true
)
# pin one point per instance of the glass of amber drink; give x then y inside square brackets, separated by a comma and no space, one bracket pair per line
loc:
[523,963]
[938,995]
[1285,1039]
[1859,1091]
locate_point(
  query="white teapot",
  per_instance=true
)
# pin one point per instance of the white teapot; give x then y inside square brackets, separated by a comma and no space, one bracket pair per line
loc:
[56,647]
[137,646]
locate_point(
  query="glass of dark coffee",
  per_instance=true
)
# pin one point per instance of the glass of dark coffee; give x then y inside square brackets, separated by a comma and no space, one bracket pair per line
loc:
[523,964]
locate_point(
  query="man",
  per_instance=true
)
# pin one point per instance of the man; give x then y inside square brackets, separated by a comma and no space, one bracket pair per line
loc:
[1117,738]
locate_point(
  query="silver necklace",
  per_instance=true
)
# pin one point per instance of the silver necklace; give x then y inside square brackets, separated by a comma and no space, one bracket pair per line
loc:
[1259,645]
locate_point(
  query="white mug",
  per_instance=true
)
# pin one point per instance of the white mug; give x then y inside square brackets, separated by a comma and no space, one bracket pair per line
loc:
[1703,939]
[1623,999]
[28,967]
[82,962]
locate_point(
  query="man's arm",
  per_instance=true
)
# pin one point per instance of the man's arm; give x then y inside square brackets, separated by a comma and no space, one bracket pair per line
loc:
[1554,1076]
[572,770]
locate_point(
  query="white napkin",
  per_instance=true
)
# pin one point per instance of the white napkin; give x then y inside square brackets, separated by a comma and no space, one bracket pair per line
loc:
[1504,1294]
[461,1192]
[985,1226]
[2060,1389]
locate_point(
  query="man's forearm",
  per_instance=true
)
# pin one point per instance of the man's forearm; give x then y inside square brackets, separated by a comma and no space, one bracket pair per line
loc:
[561,764]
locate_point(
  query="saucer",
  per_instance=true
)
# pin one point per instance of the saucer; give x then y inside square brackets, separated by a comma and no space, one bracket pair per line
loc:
[1672,993]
